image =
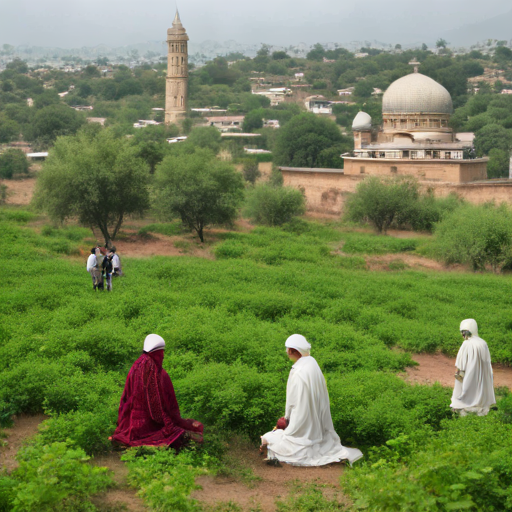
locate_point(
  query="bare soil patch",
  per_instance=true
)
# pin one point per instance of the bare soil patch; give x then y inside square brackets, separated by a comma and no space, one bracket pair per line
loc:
[122,495]
[405,260]
[441,368]
[19,192]
[136,246]
[24,427]
[269,484]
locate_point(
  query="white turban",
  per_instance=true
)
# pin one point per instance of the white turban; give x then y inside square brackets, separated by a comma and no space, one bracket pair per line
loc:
[469,325]
[153,342]
[298,342]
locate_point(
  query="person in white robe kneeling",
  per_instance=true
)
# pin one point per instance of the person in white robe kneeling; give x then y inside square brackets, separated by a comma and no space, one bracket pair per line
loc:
[306,435]
[473,390]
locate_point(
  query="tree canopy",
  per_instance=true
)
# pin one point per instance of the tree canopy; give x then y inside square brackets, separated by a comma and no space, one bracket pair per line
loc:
[96,178]
[199,189]
[306,140]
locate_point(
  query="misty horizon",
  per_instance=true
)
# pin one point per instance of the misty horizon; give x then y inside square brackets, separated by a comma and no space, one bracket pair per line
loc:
[59,24]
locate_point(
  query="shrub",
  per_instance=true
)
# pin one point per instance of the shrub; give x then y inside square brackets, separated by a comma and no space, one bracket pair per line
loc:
[479,235]
[56,477]
[463,466]
[273,206]
[165,479]
[13,161]
[382,201]
[250,170]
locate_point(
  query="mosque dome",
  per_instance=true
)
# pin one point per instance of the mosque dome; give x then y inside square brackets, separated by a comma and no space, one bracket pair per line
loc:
[362,121]
[416,94]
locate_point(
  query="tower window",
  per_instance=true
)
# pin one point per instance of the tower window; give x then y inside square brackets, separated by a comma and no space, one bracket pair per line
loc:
[182,60]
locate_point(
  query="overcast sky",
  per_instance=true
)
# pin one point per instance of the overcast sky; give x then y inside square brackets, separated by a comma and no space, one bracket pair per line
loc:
[75,23]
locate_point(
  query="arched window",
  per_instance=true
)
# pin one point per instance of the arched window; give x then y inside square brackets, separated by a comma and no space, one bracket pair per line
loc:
[182,101]
[181,60]
[182,48]
[172,48]
[175,101]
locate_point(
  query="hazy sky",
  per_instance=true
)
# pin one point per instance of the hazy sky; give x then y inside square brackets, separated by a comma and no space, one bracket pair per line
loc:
[75,23]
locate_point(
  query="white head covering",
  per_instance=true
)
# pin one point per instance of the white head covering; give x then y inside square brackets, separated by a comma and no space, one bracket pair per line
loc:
[153,342]
[469,325]
[298,342]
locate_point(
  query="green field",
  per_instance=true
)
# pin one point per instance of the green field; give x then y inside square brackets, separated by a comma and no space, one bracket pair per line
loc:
[66,350]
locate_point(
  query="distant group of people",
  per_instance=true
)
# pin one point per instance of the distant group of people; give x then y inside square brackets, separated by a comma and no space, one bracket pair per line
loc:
[149,413]
[103,264]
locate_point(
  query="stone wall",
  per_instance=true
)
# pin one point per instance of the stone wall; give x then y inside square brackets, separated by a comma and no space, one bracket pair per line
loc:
[326,189]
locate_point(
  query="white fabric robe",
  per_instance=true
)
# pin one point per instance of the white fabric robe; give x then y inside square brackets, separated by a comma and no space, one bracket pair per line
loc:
[476,392]
[309,439]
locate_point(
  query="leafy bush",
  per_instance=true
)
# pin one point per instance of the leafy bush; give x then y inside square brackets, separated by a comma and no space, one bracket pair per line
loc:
[463,466]
[55,477]
[398,201]
[273,206]
[13,161]
[480,235]
[165,479]
[382,201]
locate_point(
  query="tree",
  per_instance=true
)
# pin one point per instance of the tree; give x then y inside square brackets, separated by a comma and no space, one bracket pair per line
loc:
[316,53]
[492,136]
[9,129]
[13,161]
[96,178]
[499,163]
[273,206]
[251,170]
[301,141]
[441,43]
[363,89]
[382,201]
[280,55]
[199,189]
[208,137]
[424,47]
[52,121]
[253,121]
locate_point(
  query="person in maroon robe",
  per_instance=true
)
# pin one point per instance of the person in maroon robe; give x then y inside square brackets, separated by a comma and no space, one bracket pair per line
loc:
[149,414]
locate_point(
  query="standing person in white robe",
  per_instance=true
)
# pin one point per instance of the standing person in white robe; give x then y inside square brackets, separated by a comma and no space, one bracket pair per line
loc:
[309,438]
[473,390]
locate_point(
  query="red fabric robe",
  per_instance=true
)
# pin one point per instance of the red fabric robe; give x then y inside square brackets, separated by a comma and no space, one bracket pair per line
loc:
[149,413]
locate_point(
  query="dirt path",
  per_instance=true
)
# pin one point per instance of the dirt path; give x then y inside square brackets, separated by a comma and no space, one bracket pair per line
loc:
[122,494]
[266,485]
[24,427]
[440,368]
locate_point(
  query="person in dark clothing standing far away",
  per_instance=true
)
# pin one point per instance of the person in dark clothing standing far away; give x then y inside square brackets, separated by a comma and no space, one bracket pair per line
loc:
[107,270]
[149,414]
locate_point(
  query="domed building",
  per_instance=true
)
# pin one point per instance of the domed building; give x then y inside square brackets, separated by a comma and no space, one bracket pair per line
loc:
[415,137]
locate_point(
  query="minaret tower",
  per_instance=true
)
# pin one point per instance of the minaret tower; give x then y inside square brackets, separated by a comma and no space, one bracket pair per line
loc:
[177,72]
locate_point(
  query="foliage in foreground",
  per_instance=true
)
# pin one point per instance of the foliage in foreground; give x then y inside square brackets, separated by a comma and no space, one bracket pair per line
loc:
[479,235]
[95,177]
[464,466]
[166,479]
[274,206]
[225,323]
[55,477]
